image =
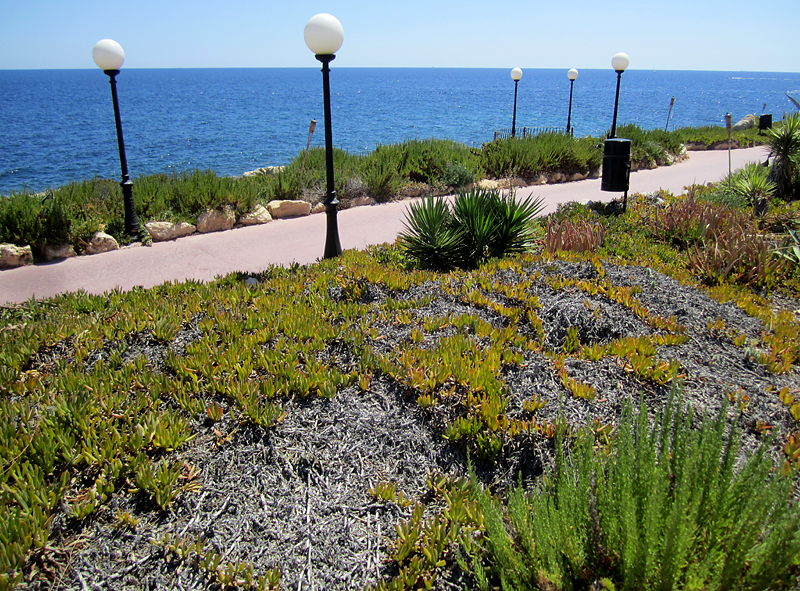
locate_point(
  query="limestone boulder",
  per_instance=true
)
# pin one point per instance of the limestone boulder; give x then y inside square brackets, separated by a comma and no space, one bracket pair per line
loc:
[101,242]
[414,189]
[487,184]
[746,122]
[62,251]
[360,201]
[162,231]
[288,208]
[216,220]
[259,215]
[12,255]
[264,170]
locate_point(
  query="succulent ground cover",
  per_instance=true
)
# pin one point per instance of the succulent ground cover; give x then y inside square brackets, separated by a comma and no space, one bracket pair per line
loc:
[360,424]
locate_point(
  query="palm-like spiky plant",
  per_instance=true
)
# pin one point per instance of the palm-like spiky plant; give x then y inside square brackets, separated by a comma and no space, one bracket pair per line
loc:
[784,147]
[429,237]
[753,183]
[482,224]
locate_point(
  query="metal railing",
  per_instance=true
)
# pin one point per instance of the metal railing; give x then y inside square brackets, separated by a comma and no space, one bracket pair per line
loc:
[523,132]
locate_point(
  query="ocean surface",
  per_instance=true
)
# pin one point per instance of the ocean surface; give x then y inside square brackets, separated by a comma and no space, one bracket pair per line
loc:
[57,126]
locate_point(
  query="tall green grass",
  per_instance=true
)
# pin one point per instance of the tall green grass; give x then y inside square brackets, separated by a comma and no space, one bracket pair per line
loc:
[668,506]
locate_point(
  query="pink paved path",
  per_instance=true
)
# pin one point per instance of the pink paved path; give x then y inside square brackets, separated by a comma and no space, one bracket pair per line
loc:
[281,242]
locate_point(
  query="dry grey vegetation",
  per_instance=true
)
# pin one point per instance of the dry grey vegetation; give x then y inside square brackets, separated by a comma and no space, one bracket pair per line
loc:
[297,497]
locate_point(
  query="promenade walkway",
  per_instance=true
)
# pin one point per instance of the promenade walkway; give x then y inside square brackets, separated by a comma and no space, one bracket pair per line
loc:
[301,240]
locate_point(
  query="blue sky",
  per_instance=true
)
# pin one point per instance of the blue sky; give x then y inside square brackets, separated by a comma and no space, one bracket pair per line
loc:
[676,35]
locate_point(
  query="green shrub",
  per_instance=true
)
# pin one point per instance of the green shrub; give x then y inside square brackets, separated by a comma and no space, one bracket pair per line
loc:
[712,134]
[667,506]
[381,178]
[533,155]
[457,175]
[33,219]
[285,185]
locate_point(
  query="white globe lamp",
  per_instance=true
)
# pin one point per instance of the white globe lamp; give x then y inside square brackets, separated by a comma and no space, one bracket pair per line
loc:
[324,34]
[108,54]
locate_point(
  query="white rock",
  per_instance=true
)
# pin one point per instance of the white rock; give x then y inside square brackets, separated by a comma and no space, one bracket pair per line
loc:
[746,122]
[215,220]
[265,170]
[360,201]
[101,242]
[12,255]
[487,184]
[161,231]
[288,208]
[259,215]
[63,251]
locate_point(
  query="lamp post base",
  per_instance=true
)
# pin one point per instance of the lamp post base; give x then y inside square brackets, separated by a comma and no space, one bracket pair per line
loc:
[132,225]
[332,246]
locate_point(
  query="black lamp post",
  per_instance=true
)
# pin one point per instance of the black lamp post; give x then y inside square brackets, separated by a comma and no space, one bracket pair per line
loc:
[617,151]
[109,56]
[324,35]
[572,75]
[516,74]
[619,62]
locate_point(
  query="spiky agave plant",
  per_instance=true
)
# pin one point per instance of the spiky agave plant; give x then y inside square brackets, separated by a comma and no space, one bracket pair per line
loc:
[792,251]
[753,184]
[784,147]
[429,237]
[514,218]
[473,215]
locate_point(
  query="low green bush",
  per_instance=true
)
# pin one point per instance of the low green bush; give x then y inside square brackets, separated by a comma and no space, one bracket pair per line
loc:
[712,134]
[531,156]
[34,219]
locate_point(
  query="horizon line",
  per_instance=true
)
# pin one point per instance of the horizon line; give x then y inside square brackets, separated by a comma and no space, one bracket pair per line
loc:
[316,67]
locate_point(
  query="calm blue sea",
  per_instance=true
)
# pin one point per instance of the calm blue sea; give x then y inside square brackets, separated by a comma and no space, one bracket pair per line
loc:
[57,126]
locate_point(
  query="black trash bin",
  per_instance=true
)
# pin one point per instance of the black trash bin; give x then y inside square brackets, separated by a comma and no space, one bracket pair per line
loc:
[616,165]
[765,122]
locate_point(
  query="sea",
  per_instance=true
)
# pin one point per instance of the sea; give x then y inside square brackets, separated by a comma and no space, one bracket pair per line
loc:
[57,126]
